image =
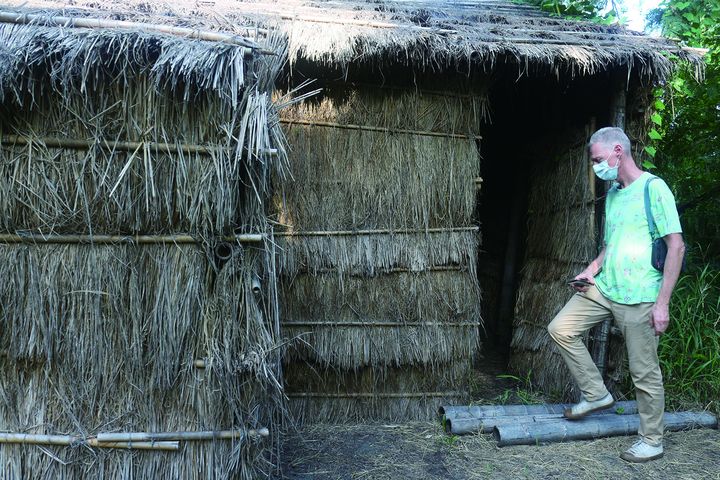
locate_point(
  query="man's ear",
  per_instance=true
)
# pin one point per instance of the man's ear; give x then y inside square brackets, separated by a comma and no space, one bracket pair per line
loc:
[618,149]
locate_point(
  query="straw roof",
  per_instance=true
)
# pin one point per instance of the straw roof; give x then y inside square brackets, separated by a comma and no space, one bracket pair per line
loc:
[431,35]
[435,35]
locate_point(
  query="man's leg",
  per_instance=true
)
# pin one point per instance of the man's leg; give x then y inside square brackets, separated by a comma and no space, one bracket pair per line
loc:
[642,343]
[582,312]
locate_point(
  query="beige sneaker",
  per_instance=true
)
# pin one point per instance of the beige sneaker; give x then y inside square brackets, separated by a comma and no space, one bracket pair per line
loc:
[579,410]
[642,452]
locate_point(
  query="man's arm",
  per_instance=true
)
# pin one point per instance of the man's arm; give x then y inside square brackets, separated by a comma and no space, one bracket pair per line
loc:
[590,272]
[673,263]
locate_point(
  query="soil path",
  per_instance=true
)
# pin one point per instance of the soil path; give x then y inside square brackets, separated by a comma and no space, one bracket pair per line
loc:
[422,451]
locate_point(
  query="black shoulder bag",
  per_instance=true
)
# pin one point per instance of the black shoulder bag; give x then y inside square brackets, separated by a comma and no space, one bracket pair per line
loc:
[659,247]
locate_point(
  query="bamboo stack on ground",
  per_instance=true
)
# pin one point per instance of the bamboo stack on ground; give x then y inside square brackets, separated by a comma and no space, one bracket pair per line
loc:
[388,318]
[122,267]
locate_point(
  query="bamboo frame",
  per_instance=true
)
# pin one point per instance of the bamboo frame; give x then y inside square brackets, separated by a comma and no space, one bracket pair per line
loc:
[373,232]
[128,146]
[76,22]
[375,395]
[69,440]
[113,239]
[382,271]
[369,128]
[176,436]
[380,324]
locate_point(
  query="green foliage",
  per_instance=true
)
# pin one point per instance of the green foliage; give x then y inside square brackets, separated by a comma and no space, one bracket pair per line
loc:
[580,9]
[686,122]
[690,349]
[524,392]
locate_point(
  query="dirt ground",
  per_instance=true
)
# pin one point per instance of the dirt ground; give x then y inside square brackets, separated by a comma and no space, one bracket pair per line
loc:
[421,450]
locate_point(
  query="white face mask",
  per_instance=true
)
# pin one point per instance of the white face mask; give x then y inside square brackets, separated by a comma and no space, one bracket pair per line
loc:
[605,171]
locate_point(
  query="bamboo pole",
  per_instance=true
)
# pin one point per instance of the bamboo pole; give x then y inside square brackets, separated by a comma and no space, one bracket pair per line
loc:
[187,436]
[594,427]
[380,324]
[68,440]
[76,144]
[112,239]
[439,268]
[77,22]
[379,129]
[375,395]
[372,232]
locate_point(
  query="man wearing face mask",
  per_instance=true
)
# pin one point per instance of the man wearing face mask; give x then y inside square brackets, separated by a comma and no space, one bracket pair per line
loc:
[622,283]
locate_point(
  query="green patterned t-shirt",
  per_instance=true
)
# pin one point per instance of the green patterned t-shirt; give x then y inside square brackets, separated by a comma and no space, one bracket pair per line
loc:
[627,276]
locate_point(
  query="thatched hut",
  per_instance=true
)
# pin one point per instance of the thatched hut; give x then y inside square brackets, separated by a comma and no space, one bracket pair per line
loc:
[151,225]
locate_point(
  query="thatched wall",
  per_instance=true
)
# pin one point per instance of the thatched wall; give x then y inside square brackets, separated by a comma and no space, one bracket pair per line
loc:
[560,243]
[112,131]
[379,261]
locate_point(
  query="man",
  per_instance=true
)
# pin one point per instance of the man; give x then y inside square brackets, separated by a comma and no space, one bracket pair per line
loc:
[621,283]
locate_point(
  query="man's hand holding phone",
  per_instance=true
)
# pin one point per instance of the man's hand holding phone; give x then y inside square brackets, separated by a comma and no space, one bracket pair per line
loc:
[582,282]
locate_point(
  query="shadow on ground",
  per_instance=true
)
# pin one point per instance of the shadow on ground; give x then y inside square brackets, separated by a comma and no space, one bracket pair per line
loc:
[421,450]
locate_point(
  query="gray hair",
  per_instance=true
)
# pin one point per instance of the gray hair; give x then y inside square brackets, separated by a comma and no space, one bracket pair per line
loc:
[610,136]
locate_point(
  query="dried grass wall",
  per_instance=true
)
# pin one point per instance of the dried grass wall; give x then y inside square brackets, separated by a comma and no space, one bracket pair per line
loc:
[379,289]
[560,244]
[115,132]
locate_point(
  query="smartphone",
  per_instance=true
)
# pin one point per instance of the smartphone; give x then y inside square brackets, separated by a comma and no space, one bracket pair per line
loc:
[579,282]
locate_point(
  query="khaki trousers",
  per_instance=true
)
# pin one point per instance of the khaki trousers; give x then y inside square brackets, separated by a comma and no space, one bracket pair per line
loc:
[584,311]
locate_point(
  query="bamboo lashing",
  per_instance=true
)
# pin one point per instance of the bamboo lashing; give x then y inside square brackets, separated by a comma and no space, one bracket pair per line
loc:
[186,239]
[111,239]
[69,440]
[373,232]
[380,324]
[76,22]
[379,129]
[69,143]
[438,268]
[187,436]
[375,395]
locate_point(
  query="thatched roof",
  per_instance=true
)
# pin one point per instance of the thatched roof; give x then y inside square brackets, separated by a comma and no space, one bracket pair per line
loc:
[427,34]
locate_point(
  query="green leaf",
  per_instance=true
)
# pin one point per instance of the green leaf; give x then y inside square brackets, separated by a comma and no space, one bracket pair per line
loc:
[651,150]
[647,164]
[659,105]
[654,134]
[656,118]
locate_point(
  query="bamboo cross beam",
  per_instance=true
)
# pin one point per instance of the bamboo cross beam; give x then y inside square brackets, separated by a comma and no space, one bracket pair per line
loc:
[68,440]
[370,128]
[375,395]
[187,436]
[113,239]
[127,146]
[374,232]
[380,324]
[77,22]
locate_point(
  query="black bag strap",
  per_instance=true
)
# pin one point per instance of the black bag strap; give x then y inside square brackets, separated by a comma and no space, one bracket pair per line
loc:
[648,210]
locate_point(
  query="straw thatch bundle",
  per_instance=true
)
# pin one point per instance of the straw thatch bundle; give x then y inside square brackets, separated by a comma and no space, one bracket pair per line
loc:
[558,247]
[413,391]
[358,179]
[379,258]
[119,131]
[106,339]
[389,320]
